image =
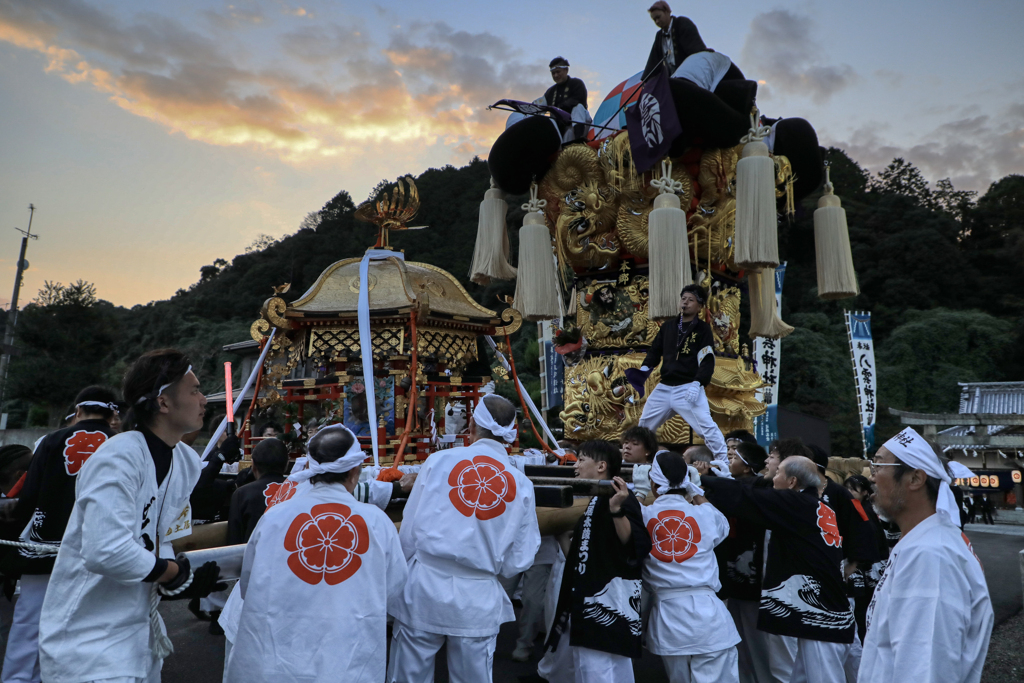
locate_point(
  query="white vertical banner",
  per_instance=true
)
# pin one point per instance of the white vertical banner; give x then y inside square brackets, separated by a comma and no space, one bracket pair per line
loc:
[862,353]
[767,355]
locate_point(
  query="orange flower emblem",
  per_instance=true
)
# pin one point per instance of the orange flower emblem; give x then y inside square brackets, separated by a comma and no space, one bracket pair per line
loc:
[325,544]
[674,536]
[481,486]
[828,526]
[278,493]
[79,447]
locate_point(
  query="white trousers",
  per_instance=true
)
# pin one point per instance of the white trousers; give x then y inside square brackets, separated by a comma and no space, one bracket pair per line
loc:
[819,662]
[21,660]
[665,400]
[713,667]
[470,660]
[851,659]
[781,657]
[752,650]
[594,666]
[557,666]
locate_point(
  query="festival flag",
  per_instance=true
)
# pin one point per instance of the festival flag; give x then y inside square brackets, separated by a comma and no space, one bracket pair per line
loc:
[531,109]
[611,115]
[767,355]
[862,352]
[653,123]
[552,369]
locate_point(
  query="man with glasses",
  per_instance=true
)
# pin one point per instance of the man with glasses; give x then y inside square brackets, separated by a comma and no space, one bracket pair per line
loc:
[931,616]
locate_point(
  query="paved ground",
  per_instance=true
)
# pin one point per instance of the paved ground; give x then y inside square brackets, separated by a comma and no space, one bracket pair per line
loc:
[198,656]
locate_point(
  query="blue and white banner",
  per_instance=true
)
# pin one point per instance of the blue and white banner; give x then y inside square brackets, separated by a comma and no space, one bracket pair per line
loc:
[862,352]
[552,369]
[767,354]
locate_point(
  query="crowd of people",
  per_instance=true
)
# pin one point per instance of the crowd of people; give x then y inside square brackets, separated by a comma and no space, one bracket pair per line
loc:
[755,567]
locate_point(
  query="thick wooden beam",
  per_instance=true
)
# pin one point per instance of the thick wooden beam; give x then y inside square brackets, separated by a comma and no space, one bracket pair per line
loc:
[553,496]
[957,419]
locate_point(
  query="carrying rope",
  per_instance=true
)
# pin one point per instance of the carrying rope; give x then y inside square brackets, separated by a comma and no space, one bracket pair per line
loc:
[44,549]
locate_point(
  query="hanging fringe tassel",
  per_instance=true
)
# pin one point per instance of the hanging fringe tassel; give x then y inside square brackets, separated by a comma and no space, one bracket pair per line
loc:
[764,314]
[669,253]
[757,230]
[837,278]
[536,283]
[490,256]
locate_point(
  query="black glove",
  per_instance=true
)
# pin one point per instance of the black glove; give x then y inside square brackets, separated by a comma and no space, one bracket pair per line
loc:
[231,449]
[205,580]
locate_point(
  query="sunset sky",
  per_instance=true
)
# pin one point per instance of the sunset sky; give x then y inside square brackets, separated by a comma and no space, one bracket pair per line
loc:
[155,137]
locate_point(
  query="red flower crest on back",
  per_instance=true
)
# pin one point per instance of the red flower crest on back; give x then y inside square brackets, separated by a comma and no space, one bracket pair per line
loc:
[325,544]
[481,486]
[674,536]
[278,493]
[79,447]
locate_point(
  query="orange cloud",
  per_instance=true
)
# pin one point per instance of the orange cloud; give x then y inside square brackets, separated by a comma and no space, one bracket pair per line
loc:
[429,86]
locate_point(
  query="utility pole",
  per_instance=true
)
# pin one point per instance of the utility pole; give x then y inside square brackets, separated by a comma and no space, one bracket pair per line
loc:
[12,315]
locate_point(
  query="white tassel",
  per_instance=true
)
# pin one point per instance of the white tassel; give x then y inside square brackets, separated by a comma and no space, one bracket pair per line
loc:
[837,278]
[490,256]
[764,314]
[757,229]
[669,251]
[537,281]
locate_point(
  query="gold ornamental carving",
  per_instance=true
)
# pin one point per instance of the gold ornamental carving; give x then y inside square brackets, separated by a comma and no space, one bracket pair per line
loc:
[610,316]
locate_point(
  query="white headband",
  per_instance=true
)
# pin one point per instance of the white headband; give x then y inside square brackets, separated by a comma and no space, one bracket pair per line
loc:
[100,404]
[912,450]
[354,457]
[663,485]
[483,418]
[163,388]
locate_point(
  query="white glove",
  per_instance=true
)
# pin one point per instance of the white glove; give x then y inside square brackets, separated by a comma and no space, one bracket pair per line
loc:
[692,483]
[690,391]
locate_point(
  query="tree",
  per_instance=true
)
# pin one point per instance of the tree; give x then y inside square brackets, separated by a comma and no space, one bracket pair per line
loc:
[66,336]
[903,178]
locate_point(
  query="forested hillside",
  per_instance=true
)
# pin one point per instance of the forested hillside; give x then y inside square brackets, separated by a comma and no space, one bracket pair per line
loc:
[938,268]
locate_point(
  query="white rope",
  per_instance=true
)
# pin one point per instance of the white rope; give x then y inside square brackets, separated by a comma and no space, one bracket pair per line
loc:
[666,184]
[171,593]
[162,646]
[756,133]
[534,204]
[38,547]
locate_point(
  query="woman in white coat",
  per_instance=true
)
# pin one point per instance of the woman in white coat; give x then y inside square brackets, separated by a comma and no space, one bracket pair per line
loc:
[99,619]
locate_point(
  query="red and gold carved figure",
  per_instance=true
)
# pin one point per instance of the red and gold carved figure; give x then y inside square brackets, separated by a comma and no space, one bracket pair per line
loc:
[481,486]
[79,447]
[674,536]
[828,526]
[325,544]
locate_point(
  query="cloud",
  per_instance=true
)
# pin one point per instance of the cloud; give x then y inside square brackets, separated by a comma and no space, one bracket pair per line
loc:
[428,86]
[972,151]
[781,50]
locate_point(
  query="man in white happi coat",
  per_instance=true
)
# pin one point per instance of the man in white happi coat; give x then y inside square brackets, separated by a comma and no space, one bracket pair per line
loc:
[470,517]
[931,617]
[318,573]
[99,621]
[689,626]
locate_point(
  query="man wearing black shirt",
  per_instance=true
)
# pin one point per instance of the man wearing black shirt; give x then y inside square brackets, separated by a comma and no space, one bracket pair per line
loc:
[41,515]
[685,348]
[248,503]
[803,594]
[568,94]
[599,600]
[677,39]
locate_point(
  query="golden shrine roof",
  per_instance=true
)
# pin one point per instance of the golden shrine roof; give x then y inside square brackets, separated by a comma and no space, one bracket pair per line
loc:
[394,284]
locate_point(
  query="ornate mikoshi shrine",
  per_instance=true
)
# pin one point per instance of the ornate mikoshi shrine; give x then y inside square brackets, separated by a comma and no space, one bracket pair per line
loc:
[605,249]
[423,333]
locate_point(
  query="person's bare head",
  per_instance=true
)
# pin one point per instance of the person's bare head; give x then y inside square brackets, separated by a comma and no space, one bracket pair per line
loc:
[661,14]
[164,394]
[797,472]
[503,412]
[698,453]
[903,491]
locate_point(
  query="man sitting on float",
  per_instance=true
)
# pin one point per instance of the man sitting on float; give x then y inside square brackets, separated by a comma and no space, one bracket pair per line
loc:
[570,95]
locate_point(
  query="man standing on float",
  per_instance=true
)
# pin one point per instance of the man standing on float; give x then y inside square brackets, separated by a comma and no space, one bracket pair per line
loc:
[685,348]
